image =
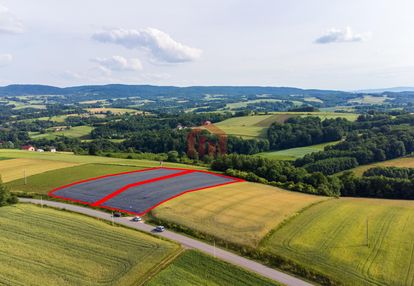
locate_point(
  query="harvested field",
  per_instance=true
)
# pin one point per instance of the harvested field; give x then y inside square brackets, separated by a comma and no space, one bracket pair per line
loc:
[242,213]
[14,169]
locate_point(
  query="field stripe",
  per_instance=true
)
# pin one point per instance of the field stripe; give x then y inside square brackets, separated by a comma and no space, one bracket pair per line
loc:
[124,188]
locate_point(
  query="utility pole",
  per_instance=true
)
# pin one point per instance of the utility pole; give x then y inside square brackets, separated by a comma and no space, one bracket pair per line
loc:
[214,248]
[25,178]
[41,201]
[112,216]
[367,238]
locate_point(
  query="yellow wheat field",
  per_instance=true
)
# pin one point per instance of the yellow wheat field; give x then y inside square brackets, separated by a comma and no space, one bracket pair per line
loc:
[14,169]
[242,213]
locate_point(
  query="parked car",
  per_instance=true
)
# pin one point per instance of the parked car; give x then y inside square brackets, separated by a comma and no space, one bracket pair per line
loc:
[137,218]
[117,214]
[159,228]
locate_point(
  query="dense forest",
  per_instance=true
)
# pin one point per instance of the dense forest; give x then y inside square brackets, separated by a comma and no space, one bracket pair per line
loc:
[305,131]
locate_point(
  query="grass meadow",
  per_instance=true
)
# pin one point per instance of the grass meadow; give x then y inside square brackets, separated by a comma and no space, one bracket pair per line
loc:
[246,126]
[74,132]
[113,110]
[241,213]
[194,268]
[405,162]
[44,246]
[331,237]
[255,126]
[295,153]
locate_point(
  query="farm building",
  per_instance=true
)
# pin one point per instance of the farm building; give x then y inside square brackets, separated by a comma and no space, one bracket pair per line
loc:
[29,148]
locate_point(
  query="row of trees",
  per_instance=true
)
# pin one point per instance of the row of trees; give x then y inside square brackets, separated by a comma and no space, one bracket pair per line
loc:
[6,198]
[376,187]
[390,172]
[389,183]
[374,145]
[280,173]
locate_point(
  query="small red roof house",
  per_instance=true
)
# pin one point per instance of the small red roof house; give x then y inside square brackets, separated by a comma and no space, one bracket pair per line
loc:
[29,148]
[207,122]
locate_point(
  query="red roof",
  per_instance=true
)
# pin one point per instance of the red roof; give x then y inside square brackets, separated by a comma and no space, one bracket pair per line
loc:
[27,147]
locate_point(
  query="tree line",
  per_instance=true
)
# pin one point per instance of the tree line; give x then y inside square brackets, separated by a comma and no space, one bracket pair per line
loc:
[360,148]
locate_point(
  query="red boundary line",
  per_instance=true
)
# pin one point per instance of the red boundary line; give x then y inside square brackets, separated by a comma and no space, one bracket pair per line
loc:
[124,188]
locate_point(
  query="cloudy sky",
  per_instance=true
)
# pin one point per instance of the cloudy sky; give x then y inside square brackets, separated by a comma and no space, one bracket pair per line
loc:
[334,44]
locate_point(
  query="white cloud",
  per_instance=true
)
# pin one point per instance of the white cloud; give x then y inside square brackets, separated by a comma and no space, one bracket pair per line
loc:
[9,23]
[340,36]
[5,59]
[118,63]
[159,44]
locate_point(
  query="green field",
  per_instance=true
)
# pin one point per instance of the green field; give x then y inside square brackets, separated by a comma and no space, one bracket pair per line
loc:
[255,126]
[313,99]
[241,213]
[331,237]
[369,99]
[57,118]
[195,268]
[22,105]
[240,104]
[47,181]
[44,246]
[249,126]
[294,153]
[113,110]
[323,114]
[75,132]
[405,162]
[68,157]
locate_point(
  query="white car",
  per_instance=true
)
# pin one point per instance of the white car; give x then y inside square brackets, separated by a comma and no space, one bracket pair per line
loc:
[137,219]
[159,228]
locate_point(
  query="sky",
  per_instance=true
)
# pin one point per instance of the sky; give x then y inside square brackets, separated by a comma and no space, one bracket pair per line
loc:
[327,44]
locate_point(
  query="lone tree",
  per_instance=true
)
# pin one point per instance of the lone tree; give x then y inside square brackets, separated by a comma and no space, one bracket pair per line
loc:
[6,198]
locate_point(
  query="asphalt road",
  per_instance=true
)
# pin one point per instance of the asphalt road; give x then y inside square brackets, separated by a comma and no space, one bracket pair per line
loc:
[187,242]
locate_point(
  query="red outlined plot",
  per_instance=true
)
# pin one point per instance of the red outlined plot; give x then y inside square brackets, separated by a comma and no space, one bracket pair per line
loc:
[154,186]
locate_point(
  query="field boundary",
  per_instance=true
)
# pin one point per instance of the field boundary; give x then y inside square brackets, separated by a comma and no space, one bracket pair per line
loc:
[164,264]
[288,220]
[99,203]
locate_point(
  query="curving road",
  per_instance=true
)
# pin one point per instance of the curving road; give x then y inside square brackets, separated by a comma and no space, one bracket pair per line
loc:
[187,242]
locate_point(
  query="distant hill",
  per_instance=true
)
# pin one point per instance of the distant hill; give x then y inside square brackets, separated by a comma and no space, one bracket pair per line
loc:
[391,89]
[120,90]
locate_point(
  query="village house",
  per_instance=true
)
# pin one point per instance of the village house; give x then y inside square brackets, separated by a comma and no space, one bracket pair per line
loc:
[29,148]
